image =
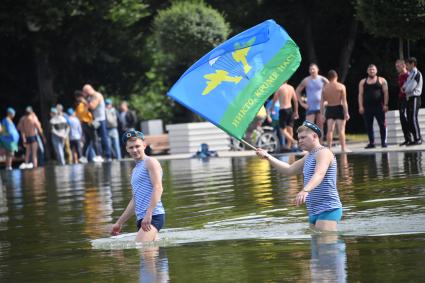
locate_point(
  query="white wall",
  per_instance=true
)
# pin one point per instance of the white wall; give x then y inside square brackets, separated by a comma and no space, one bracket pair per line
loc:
[394,132]
[186,138]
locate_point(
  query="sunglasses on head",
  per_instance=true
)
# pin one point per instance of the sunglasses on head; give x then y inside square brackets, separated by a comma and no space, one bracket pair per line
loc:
[132,134]
[313,127]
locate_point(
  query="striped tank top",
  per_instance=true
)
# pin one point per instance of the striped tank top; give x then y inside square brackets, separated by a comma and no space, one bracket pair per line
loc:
[325,196]
[142,190]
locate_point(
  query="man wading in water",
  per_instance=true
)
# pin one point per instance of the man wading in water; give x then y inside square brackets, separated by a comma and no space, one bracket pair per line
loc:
[146,184]
[319,169]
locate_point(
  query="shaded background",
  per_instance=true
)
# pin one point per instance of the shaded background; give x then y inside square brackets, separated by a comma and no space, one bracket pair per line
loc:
[50,48]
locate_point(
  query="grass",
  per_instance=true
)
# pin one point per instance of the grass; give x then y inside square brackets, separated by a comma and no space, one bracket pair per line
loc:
[356,137]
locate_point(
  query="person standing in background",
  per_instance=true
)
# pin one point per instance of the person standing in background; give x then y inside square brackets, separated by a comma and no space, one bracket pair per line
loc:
[30,127]
[75,135]
[373,103]
[68,152]
[400,66]
[313,86]
[96,105]
[86,118]
[9,137]
[112,126]
[413,89]
[127,118]
[335,95]
[273,119]
[59,130]
[287,113]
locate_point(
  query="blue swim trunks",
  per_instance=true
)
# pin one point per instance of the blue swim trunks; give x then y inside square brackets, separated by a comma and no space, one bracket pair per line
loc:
[311,112]
[335,215]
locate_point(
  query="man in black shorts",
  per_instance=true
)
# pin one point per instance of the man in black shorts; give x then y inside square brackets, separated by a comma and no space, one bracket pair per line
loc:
[286,96]
[335,97]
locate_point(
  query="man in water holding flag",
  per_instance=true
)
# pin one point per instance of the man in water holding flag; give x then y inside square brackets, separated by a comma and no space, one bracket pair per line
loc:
[319,169]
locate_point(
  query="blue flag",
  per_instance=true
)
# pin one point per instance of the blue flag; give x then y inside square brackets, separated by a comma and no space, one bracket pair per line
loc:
[229,85]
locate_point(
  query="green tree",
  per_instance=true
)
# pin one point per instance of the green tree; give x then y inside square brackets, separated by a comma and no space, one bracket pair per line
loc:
[64,42]
[182,34]
[65,37]
[402,19]
[187,30]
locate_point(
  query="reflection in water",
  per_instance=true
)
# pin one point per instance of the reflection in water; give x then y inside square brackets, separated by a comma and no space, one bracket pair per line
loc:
[13,185]
[345,170]
[98,200]
[382,165]
[192,184]
[3,200]
[34,184]
[413,162]
[153,265]
[50,217]
[261,188]
[328,258]
[293,183]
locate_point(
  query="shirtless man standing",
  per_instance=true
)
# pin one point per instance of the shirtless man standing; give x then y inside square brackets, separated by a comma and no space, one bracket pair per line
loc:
[286,94]
[313,86]
[335,95]
[30,127]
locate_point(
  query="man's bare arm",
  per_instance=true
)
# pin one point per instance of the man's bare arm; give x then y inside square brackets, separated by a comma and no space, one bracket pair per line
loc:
[299,90]
[386,96]
[94,102]
[283,167]
[344,102]
[295,101]
[322,101]
[360,98]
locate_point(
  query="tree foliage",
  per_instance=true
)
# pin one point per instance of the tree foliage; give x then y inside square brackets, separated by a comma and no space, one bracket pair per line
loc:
[181,34]
[393,18]
[187,30]
[79,40]
[136,49]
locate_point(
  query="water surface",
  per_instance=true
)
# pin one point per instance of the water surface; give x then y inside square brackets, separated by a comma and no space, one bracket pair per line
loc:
[228,220]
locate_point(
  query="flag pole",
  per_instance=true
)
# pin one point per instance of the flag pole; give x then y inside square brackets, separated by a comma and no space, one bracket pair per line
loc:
[248,144]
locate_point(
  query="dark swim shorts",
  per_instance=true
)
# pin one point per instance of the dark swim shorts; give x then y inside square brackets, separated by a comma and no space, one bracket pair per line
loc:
[335,112]
[285,118]
[157,222]
[31,139]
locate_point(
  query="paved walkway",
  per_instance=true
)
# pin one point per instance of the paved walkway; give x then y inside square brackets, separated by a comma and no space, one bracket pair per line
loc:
[354,147]
[360,148]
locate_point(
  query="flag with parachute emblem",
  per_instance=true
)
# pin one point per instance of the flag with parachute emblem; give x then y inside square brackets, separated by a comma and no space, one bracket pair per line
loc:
[228,85]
